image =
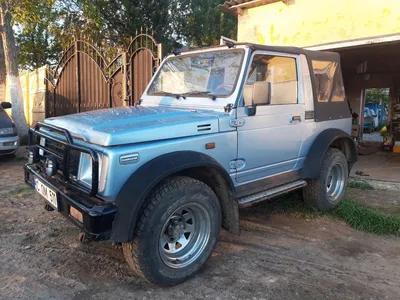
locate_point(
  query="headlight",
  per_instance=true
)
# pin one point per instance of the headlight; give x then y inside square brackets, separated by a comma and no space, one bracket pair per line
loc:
[85,170]
[7,131]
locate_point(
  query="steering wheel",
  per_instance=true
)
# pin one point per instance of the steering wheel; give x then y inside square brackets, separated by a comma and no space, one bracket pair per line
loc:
[225,85]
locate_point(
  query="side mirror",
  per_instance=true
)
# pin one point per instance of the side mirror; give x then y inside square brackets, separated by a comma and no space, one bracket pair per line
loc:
[6,105]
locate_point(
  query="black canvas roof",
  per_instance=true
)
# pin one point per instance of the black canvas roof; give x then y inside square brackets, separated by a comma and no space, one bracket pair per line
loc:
[313,55]
[323,111]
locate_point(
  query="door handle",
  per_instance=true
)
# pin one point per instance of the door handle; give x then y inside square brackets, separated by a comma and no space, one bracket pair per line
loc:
[295,119]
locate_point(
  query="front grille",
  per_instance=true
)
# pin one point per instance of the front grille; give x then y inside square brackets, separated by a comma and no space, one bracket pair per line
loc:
[55,147]
[51,147]
[5,152]
[58,142]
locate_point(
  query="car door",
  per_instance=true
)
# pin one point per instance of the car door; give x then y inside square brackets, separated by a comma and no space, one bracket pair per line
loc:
[270,140]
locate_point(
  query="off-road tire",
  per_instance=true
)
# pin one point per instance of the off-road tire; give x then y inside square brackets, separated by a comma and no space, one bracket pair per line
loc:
[142,253]
[315,193]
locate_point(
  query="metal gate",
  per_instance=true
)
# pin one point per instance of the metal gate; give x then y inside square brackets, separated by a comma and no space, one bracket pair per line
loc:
[83,80]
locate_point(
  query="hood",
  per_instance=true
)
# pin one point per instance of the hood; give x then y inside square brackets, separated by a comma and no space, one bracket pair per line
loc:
[127,125]
[5,120]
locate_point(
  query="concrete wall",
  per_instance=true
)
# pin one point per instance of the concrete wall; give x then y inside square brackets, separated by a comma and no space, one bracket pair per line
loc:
[34,93]
[314,22]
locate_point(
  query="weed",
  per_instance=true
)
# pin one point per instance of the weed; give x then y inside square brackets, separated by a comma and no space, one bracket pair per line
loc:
[358,216]
[367,218]
[19,191]
[361,185]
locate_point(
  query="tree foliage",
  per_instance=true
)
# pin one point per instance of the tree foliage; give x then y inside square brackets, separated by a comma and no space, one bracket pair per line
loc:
[111,24]
[36,42]
[23,11]
[203,23]
[377,96]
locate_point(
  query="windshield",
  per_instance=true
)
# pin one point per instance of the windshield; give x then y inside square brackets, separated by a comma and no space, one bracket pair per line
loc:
[201,74]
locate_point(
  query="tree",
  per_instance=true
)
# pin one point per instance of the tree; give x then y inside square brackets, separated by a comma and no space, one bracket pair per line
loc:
[2,73]
[24,11]
[203,23]
[117,21]
[378,96]
[14,92]
[36,43]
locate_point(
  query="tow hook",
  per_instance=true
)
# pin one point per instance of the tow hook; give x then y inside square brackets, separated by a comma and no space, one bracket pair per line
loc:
[82,237]
[48,207]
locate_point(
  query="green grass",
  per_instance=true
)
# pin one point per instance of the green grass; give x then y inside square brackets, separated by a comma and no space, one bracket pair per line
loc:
[367,218]
[361,185]
[355,214]
[291,203]
[19,191]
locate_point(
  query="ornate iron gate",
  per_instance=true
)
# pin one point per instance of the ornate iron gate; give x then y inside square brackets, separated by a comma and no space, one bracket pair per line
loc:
[83,80]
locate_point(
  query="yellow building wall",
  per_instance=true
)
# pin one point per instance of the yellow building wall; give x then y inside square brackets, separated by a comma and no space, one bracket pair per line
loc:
[314,22]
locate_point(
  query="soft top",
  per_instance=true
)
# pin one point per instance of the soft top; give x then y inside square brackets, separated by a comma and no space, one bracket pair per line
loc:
[313,55]
[330,102]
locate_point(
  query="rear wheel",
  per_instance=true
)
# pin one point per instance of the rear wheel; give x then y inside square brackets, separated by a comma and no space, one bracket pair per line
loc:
[176,232]
[327,190]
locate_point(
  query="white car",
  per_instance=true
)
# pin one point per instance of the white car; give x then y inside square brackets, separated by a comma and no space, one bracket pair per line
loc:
[9,139]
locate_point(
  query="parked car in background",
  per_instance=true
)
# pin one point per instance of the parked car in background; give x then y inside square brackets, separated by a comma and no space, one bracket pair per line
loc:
[381,111]
[9,139]
[370,120]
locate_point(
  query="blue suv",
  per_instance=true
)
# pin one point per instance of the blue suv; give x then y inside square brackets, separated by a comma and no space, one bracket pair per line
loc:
[216,129]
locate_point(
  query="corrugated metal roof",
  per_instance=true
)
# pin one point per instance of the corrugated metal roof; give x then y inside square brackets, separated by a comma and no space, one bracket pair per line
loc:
[235,7]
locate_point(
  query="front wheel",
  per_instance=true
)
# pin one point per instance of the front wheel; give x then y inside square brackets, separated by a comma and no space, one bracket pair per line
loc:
[176,233]
[325,192]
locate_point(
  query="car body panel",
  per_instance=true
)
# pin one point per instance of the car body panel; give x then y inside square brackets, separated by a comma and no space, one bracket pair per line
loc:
[137,124]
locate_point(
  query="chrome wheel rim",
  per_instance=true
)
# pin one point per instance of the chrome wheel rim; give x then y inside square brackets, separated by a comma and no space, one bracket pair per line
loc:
[184,235]
[335,182]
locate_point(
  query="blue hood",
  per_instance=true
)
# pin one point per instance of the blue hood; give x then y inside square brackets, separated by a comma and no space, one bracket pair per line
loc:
[127,125]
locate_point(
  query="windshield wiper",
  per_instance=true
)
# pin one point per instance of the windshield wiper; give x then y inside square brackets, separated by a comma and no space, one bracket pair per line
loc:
[206,93]
[177,96]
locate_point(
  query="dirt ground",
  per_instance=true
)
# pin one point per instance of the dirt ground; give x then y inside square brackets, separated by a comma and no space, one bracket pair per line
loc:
[276,257]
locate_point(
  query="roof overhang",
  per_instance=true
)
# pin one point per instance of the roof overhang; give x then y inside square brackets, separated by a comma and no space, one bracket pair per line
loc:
[235,7]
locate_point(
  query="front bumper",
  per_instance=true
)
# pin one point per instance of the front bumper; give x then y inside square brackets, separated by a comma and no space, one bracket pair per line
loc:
[8,145]
[98,215]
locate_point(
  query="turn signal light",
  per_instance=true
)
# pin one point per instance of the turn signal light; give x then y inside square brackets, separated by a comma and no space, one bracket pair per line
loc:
[210,146]
[76,214]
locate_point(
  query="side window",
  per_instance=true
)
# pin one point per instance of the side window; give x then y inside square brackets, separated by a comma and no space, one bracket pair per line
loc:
[324,72]
[338,92]
[281,74]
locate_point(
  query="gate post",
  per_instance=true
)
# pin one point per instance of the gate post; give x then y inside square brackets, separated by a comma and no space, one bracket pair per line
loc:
[159,54]
[124,79]
[78,75]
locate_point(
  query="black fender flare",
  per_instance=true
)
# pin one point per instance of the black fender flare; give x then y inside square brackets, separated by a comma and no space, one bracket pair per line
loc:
[321,144]
[135,190]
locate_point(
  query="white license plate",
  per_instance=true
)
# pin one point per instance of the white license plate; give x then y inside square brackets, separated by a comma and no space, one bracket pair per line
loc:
[49,194]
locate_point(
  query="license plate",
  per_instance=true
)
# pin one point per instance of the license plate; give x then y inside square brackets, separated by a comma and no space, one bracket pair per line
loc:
[49,194]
